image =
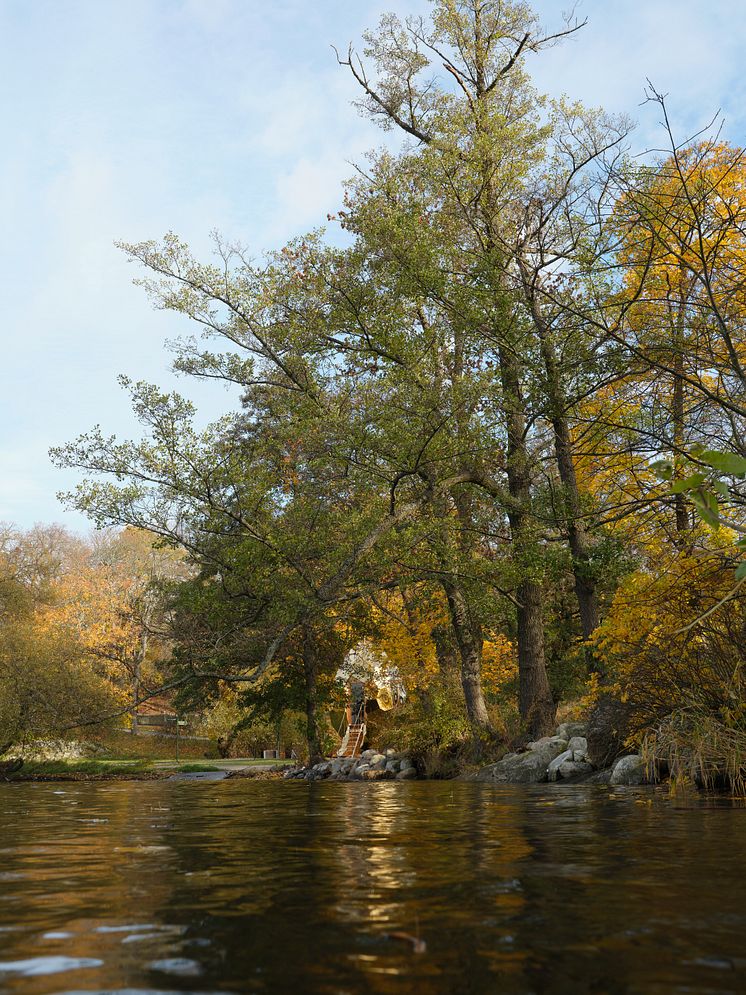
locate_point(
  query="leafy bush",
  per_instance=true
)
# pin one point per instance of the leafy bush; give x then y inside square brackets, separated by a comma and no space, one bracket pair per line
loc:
[675,647]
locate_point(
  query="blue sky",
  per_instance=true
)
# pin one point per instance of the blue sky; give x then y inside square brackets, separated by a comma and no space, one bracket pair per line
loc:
[123,119]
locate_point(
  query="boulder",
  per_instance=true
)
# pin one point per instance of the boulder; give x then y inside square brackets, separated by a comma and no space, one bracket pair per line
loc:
[367,754]
[573,768]
[375,774]
[608,727]
[406,774]
[578,746]
[546,742]
[359,770]
[554,765]
[525,768]
[378,761]
[569,729]
[392,766]
[628,770]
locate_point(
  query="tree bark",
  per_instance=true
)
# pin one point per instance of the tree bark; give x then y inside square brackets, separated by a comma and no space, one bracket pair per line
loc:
[680,505]
[580,550]
[310,674]
[469,641]
[535,700]
[678,409]
[536,705]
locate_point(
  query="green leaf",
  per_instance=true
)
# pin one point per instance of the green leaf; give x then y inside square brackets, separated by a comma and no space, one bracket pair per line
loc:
[663,468]
[724,462]
[706,506]
[688,483]
[741,571]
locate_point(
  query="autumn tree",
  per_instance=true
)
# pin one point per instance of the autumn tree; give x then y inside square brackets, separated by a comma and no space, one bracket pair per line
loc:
[48,681]
[492,205]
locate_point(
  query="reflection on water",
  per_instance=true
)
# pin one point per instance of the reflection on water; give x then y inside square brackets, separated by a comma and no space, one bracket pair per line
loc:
[273,887]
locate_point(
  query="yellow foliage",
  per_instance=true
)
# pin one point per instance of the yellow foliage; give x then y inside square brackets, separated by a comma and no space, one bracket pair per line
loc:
[674,631]
[499,663]
[411,649]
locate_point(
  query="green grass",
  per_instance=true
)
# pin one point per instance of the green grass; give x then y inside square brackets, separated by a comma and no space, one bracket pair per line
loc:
[107,768]
[49,768]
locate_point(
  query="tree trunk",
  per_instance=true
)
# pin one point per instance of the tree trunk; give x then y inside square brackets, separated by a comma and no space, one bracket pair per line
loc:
[678,412]
[585,584]
[535,701]
[310,673]
[469,642]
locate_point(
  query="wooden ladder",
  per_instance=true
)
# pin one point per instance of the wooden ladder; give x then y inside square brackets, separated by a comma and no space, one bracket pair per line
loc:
[352,741]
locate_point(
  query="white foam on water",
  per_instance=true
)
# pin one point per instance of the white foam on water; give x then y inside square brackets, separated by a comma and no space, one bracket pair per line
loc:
[46,965]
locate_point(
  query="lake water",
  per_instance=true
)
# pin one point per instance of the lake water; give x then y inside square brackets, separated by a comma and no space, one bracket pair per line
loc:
[294,887]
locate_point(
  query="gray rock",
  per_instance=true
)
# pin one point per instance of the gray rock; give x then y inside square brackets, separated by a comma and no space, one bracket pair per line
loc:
[608,728]
[392,766]
[572,768]
[554,765]
[405,763]
[359,770]
[367,754]
[378,760]
[375,774]
[406,774]
[546,742]
[578,744]
[525,768]
[390,753]
[628,770]
[569,729]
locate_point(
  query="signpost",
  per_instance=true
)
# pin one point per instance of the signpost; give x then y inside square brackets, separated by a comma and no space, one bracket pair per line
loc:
[164,721]
[179,723]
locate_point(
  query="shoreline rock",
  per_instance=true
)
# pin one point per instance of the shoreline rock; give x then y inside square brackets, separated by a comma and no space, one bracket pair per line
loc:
[563,758]
[369,766]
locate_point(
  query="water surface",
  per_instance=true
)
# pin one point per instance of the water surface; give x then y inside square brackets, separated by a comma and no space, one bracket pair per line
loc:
[288,887]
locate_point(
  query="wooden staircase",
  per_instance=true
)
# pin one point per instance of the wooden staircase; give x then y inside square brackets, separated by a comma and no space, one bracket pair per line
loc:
[352,740]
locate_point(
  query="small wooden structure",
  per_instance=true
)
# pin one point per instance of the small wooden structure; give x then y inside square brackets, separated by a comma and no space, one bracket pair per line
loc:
[368,676]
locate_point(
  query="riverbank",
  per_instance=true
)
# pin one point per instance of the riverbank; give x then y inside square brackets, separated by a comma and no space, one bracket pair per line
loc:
[132,770]
[564,758]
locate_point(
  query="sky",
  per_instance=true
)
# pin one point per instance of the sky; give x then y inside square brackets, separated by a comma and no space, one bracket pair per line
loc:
[125,119]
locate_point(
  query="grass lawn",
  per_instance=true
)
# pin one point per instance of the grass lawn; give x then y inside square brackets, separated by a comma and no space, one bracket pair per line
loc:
[44,768]
[84,769]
